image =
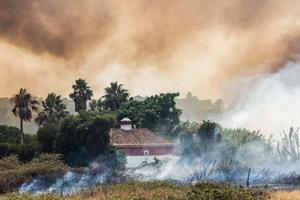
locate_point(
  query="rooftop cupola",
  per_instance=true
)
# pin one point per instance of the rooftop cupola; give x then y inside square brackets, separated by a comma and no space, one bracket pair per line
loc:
[126,124]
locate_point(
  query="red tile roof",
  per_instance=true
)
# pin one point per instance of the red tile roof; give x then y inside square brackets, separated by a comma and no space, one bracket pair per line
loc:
[136,137]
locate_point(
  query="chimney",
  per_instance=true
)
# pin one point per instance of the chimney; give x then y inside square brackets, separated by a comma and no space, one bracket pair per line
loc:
[126,124]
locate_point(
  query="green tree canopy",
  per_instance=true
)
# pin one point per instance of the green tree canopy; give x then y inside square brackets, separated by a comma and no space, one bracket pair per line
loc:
[209,131]
[96,105]
[53,110]
[24,104]
[81,94]
[84,137]
[10,134]
[47,136]
[115,96]
[157,113]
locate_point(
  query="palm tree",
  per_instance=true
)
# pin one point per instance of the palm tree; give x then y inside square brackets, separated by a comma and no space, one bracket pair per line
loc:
[53,110]
[81,94]
[115,96]
[96,105]
[23,106]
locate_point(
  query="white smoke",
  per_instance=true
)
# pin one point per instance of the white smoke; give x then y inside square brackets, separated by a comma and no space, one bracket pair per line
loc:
[266,102]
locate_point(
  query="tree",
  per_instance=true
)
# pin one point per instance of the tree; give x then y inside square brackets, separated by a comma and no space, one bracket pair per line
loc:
[9,134]
[96,105]
[84,137]
[24,104]
[47,135]
[209,131]
[115,96]
[81,94]
[53,110]
[157,113]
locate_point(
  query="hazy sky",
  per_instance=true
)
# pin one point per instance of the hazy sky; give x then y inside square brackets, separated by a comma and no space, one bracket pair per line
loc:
[150,46]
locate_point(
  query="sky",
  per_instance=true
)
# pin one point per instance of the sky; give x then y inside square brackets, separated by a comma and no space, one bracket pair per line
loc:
[150,47]
[215,49]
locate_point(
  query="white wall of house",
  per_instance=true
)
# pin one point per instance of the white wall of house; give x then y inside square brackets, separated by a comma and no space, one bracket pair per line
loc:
[126,127]
[135,161]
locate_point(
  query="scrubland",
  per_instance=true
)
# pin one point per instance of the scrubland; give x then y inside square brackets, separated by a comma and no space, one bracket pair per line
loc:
[154,191]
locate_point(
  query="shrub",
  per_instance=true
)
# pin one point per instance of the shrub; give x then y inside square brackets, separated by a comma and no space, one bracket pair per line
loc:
[13,173]
[213,191]
[25,152]
[47,136]
[9,134]
[84,137]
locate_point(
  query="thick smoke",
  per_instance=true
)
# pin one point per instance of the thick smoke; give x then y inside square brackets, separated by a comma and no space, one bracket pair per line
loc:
[250,162]
[202,44]
[266,102]
[61,29]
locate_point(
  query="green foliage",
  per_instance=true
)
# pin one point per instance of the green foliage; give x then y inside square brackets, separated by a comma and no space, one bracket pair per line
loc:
[53,110]
[157,113]
[289,147]
[238,137]
[209,132]
[24,104]
[81,94]
[198,139]
[213,191]
[25,152]
[13,172]
[115,96]
[10,138]
[47,137]
[84,137]
[187,126]
[9,134]
[96,105]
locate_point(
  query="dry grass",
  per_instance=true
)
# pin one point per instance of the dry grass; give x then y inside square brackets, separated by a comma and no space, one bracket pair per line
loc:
[285,195]
[154,191]
[13,173]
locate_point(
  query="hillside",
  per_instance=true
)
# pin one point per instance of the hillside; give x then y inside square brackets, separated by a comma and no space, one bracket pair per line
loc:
[7,117]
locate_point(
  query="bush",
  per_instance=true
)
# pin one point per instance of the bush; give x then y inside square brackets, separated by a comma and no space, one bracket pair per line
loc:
[25,152]
[213,191]
[16,196]
[9,134]
[47,136]
[84,137]
[197,140]
[13,172]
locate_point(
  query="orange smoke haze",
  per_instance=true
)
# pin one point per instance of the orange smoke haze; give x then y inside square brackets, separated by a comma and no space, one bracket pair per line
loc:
[150,46]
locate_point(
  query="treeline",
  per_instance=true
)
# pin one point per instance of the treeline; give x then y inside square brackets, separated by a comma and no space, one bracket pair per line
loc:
[77,139]
[83,136]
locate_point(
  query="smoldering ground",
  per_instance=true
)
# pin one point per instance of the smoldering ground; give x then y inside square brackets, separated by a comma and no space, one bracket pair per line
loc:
[240,157]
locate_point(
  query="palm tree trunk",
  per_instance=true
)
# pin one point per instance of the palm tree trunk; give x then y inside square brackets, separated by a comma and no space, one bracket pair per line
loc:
[22,132]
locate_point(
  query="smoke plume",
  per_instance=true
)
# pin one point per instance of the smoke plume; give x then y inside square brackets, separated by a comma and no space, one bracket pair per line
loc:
[202,44]
[199,46]
[266,102]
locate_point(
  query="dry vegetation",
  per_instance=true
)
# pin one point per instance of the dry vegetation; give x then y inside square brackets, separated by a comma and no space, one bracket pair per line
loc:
[164,191]
[13,173]
[154,191]
[285,195]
